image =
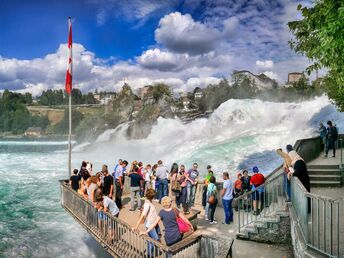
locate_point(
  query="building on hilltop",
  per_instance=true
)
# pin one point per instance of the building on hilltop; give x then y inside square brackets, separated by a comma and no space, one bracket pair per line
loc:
[294,77]
[261,81]
[143,92]
[198,93]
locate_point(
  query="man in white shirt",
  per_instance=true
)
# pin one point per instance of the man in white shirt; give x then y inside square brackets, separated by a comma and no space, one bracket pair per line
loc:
[227,198]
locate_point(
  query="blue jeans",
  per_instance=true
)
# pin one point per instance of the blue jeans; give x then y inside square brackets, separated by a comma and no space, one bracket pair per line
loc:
[190,195]
[286,186]
[227,206]
[150,246]
[163,188]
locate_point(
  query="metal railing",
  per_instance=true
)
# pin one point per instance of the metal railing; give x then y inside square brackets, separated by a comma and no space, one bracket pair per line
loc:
[118,238]
[271,197]
[319,219]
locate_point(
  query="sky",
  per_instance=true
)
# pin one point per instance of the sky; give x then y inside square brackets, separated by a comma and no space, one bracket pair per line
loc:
[185,44]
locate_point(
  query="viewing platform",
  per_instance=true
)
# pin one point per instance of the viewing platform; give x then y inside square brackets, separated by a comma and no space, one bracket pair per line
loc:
[311,225]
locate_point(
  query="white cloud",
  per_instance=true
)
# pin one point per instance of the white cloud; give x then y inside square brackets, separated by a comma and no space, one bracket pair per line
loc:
[157,59]
[180,33]
[267,64]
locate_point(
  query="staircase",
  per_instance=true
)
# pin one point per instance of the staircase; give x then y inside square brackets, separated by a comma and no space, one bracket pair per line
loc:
[272,228]
[324,175]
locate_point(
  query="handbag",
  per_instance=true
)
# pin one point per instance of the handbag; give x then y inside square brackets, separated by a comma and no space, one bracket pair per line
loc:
[183,226]
[212,197]
[176,187]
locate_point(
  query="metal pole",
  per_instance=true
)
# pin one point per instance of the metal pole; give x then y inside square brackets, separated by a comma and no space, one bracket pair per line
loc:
[70,136]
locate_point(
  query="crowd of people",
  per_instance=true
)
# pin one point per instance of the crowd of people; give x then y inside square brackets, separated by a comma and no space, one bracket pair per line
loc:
[157,182]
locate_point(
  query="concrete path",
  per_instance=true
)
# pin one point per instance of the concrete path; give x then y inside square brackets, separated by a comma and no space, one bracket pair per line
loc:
[241,248]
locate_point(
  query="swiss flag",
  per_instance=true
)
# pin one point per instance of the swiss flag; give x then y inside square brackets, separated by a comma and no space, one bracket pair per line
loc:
[69,73]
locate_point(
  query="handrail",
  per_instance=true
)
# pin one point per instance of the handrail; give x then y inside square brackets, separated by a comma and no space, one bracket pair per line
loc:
[271,196]
[318,218]
[157,243]
[124,241]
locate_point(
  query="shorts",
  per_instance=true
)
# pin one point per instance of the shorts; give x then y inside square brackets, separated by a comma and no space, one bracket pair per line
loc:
[255,196]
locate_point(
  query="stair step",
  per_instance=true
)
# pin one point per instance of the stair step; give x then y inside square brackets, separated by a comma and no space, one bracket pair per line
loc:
[325,178]
[325,183]
[314,171]
[310,166]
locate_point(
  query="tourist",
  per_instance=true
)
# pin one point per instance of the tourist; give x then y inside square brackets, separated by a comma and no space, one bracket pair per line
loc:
[174,183]
[323,135]
[227,198]
[155,181]
[299,168]
[107,182]
[205,203]
[89,168]
[149,216]
[83,172]
[110,206]
[148,174]
[141,173]
[119,164]
[119,183]
[246,186]
[162,177]
[191,177]
[168,216]
[212,199]
[257,196]
[181,198]
[135,188]
[286,166]
[91,187]
[74,180]
[238,190]
[332,136]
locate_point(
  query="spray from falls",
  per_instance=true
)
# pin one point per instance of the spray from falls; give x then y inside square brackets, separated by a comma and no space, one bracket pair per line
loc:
[238,133]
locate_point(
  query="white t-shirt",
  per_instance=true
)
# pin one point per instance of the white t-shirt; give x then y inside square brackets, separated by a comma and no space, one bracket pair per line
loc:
[228,185]
[111,205]
[150,214]
[148,174]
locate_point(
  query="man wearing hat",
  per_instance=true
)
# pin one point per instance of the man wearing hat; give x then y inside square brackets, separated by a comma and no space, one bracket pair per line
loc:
[256,180]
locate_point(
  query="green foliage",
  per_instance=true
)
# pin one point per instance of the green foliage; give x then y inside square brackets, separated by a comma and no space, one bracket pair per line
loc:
[63,126]
[15,117]
[319,36]
[159,90]
[59,97]
[301,84]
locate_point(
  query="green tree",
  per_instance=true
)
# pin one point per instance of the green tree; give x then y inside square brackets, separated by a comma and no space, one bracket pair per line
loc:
[319,36]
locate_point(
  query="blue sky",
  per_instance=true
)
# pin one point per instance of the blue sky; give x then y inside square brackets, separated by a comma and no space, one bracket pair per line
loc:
[182,43]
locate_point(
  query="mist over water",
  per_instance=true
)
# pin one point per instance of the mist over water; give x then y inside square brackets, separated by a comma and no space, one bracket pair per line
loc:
[239,134]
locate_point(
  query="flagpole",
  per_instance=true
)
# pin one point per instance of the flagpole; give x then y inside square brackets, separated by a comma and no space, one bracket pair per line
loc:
[69,91]
[70,136]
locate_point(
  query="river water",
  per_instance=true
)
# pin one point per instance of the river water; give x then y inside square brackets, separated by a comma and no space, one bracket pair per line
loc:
[239,134]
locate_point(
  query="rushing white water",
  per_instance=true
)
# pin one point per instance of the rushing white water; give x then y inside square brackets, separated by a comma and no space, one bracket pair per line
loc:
[239,134]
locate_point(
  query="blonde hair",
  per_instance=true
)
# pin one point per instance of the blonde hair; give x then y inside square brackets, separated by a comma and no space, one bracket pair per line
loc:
[166,202]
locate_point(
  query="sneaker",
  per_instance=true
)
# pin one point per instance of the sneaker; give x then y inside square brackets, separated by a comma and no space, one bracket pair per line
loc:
[325,156]
[131,210]
[213,222]
[333,156]
[206,218]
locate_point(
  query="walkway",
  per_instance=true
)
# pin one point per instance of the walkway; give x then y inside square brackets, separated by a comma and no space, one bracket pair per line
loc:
[241,248]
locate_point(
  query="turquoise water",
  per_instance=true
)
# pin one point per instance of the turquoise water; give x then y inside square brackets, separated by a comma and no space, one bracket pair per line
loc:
[240,134]
[32,222]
